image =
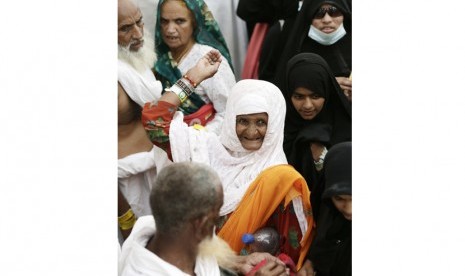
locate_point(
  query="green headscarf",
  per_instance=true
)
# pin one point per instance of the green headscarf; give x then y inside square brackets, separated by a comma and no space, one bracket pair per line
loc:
[207,32]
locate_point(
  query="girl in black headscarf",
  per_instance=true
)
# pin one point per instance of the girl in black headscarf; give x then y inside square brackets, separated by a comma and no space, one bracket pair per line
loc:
[318,116]
[334,45]
[331,251]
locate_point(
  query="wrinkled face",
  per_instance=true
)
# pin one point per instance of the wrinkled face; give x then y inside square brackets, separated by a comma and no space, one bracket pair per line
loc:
[177,24]
[328,23]
[307,103]
[130,26]
[343,204]
[251,129]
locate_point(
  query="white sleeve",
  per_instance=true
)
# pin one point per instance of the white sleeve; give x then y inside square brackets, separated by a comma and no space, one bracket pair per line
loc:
[188,143]
[217,88]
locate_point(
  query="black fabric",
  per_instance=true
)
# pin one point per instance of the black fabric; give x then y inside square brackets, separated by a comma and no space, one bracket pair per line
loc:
[301,158]
[312,72]
[267,61]
[266,11]
[338,56]
[331,250]
[332,125]
[338,170]
[273,46]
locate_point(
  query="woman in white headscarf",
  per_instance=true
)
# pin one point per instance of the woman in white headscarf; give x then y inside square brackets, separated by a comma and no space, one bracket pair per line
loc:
[248,155]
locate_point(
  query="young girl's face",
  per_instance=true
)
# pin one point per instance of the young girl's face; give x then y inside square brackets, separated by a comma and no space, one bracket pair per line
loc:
[343,204]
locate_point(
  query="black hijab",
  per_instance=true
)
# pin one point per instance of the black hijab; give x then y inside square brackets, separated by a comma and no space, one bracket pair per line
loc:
[338,55]
[331,250]
[332,125]
[334,122]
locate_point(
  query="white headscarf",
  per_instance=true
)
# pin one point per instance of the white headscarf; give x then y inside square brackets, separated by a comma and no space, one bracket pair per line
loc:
[236,166]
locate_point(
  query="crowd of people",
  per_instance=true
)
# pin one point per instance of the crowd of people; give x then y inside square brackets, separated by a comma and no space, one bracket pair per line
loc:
[222,175]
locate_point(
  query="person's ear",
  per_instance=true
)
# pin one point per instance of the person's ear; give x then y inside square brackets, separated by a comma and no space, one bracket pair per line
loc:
[201,228]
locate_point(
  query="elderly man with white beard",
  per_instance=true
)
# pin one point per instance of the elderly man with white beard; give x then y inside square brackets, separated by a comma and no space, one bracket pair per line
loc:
[138,158]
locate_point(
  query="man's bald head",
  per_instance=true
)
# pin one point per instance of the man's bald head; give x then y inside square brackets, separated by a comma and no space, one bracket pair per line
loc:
[130,25]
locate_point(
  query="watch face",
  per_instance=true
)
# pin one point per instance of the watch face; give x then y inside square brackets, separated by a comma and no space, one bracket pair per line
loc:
[182,96]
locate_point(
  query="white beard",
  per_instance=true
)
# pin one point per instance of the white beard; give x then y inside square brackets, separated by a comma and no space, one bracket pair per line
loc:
[217,247]
[141,60]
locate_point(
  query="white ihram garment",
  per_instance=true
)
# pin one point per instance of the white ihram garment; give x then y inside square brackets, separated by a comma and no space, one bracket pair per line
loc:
[140,87]
[136,174]
[135,259]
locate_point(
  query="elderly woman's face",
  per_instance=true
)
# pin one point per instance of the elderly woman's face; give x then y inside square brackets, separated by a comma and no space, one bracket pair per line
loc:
[251,129]
[328,18]
[177,24]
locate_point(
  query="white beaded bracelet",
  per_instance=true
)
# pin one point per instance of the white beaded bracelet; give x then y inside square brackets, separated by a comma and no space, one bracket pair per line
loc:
[321,160]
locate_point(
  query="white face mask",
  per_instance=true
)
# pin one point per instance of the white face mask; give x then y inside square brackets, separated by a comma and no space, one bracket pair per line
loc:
[324,38]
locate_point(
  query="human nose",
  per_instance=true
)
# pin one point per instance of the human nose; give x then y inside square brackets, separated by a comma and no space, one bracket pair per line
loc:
[327,18]
[348,208]
[252,129]
[308,104]
[138,32]
[170,28]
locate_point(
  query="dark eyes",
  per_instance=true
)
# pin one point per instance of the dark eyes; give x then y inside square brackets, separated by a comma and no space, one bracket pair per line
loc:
[301,97]
[177,21]
[241,121]
[245,122]
[261,123]
[297,96]
[125,28]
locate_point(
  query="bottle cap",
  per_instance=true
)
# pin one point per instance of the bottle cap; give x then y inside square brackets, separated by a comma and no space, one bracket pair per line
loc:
[248,238]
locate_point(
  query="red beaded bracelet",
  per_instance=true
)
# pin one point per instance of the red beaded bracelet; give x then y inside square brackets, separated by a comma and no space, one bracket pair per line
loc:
[193,83]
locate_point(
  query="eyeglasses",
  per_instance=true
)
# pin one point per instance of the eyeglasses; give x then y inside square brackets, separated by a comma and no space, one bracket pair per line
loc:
[332,11]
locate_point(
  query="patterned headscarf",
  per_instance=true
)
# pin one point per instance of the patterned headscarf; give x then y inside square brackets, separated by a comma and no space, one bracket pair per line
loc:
[206,32]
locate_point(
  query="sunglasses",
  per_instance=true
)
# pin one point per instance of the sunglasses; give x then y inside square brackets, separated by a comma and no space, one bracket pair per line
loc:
[332,11]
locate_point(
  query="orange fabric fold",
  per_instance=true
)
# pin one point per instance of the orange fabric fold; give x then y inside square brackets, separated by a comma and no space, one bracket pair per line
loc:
[273,186]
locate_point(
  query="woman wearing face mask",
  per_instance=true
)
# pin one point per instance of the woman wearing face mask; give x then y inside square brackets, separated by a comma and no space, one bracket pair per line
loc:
[185,31]
[318,116]
[331,251]
[260,188]
[323,27]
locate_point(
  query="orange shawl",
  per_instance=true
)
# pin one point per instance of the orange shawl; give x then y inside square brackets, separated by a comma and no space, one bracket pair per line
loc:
[273,186]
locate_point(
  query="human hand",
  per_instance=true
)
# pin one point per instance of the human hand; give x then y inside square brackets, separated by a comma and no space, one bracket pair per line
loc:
[307,269]
[346,86]
[247,263]
[272,268]
[316,149]
[206,67]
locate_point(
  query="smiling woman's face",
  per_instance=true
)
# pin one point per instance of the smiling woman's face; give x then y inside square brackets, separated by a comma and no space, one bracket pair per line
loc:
[251,129]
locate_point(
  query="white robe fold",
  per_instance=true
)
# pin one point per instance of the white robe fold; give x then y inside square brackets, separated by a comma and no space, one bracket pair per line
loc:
[136,174]
[135,259]
[140,87]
